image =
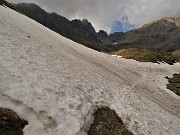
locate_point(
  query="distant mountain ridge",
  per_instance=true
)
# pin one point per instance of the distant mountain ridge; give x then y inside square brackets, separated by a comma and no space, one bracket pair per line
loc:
[160,36]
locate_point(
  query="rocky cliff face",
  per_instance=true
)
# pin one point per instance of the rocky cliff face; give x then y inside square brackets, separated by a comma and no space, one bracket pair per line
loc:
[89,26]
[79,31]
[111,38]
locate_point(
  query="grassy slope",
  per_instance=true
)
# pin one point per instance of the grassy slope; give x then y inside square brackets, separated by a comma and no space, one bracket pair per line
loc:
[144,55]
[176,54]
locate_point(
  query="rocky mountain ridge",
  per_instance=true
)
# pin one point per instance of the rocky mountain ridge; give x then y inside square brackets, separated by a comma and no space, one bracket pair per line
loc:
[160,36]
[79,31]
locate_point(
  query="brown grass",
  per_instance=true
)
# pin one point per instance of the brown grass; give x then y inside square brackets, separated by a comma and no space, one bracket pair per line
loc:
[106,122]
[144,55]
[11,123]
[174,84]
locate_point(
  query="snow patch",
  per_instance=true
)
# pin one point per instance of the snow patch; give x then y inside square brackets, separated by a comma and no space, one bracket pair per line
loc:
[57,88]
[114,55]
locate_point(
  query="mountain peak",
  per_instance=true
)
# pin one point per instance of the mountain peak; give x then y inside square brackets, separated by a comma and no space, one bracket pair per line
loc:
[89,25]
[86,22]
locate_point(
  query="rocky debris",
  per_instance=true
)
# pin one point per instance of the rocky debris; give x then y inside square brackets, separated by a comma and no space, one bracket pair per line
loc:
[106,122]
[2,2]
[174,84]
[11,123]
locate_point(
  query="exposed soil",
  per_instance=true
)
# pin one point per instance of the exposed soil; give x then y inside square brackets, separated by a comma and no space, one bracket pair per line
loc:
[11,123]
[106,122]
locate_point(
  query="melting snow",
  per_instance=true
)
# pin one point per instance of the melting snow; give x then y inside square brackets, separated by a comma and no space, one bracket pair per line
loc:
[56,84]
[114,55]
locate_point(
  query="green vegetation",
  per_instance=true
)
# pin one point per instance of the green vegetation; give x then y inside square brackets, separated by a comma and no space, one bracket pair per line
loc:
[106,122]
[144,55]
[174,84]
[10,123]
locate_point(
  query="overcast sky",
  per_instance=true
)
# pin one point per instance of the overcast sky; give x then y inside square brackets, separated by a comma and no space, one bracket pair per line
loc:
[102,13]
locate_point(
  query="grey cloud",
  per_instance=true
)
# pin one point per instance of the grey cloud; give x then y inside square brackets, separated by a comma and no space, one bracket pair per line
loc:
[102,13]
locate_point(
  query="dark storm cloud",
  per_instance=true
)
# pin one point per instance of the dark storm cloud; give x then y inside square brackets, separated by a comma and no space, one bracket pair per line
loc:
[102,13]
